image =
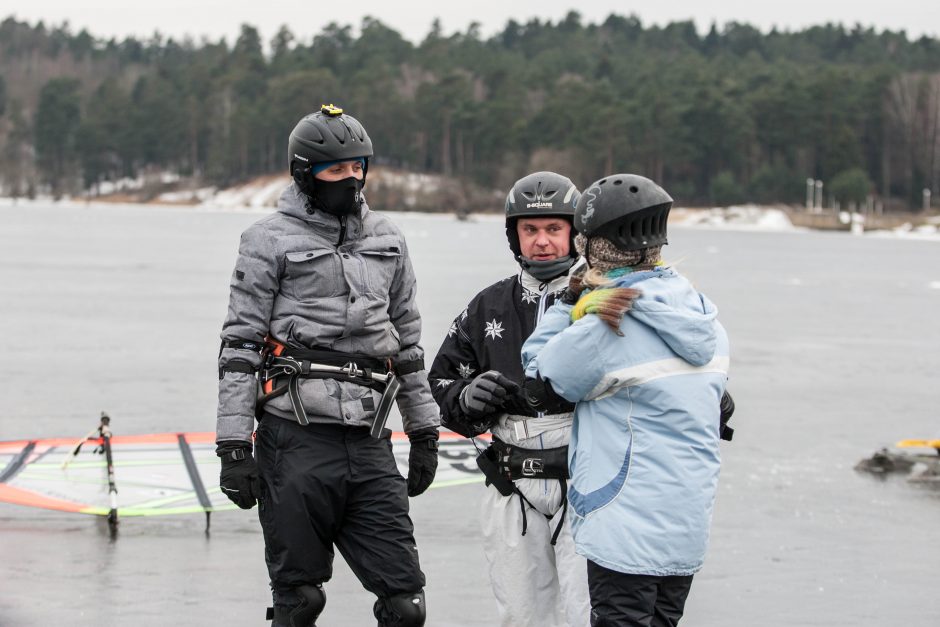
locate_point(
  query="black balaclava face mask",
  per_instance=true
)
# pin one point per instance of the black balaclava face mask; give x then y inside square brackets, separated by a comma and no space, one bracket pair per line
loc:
[338,198]
[547,270]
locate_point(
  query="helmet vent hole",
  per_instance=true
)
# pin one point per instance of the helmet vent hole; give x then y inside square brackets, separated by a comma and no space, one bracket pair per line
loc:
[549,195]
[634,189]
[528,195]
[602,182]
[618,182]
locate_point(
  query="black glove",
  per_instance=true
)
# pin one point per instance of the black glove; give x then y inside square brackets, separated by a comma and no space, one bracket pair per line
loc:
[541,396]
[422,460]
[239,478]
[515,403]
[727,409]
[486,393]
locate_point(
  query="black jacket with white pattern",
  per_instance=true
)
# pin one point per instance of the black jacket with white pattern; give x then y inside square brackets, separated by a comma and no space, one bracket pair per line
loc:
[488,335]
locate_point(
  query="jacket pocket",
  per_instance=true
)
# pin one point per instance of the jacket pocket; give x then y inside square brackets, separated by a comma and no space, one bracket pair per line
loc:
[313,274]
[380,265]
[600,465]
[358,404]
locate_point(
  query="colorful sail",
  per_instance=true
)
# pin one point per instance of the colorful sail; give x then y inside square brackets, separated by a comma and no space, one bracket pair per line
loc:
[159,474]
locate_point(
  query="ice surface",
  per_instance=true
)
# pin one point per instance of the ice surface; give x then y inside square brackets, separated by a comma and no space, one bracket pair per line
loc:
[834,354]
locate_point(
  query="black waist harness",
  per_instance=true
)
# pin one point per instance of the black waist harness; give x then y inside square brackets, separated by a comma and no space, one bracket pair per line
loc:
[282,369]
[503,463]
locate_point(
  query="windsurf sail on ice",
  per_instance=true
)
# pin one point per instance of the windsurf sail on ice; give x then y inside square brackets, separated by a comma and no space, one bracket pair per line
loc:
[114,475]
[156,474]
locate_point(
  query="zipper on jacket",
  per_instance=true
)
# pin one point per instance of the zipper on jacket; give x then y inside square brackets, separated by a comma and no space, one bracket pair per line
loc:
[543,293]
[543,296]
[342,230]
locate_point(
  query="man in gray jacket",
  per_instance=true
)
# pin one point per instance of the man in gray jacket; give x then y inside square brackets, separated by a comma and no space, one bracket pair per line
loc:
[322,318]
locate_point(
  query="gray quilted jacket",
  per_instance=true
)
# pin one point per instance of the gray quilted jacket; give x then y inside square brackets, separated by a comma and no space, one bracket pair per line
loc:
[292,283]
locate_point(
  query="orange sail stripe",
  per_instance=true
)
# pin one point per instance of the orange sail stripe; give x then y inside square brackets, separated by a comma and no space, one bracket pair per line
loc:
[14,446]
[197,437]
[203,437]
[9,494]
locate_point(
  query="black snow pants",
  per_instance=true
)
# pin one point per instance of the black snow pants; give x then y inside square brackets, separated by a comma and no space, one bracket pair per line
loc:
[326,485]
[621,600]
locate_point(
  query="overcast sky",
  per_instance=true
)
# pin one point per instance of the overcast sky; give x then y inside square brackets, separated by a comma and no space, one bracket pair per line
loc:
[215,18]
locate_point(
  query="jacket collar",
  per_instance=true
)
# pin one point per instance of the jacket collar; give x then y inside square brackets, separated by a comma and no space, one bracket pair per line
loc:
[532,284]
[293,203]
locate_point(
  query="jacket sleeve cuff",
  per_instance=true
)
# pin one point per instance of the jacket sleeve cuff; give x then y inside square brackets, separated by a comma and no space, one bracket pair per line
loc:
[234,428]
[424,416]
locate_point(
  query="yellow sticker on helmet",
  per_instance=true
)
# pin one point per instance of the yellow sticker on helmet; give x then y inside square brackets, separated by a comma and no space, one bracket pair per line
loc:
[331,110]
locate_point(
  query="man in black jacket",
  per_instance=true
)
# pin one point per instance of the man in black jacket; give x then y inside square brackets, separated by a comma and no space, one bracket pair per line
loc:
[476,378]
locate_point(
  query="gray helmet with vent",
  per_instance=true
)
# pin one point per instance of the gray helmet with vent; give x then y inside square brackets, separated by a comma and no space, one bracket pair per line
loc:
[629,210]
[540,195]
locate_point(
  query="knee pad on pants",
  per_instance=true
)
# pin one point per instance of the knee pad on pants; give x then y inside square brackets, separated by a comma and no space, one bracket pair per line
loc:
[297,607]
[401,610]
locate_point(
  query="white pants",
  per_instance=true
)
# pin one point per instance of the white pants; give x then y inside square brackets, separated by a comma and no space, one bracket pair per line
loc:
[535,584]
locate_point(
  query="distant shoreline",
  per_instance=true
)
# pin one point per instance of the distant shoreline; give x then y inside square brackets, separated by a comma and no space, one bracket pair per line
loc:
[765,218]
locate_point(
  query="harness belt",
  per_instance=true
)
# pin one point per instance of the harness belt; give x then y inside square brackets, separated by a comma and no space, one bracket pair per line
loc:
[298,364]
[506,463]
[280,362]
[503,463]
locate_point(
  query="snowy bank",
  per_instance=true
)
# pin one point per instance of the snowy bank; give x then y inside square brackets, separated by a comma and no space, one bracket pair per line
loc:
[737,217]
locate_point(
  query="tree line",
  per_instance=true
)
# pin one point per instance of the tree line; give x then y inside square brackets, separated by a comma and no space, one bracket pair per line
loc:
[720,117]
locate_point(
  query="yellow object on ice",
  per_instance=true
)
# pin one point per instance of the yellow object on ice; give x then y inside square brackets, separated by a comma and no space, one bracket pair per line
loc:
[919,444]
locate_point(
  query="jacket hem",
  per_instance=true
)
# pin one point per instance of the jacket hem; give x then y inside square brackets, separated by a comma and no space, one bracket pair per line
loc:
[629,569]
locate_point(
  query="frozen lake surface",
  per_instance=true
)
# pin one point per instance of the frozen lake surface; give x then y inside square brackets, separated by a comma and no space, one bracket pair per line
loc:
[834,353]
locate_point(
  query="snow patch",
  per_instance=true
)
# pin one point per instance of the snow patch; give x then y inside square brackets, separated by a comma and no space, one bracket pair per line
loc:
[120,185]
[738,217]
[927,232]
[190,196]
[258,194]
[410,184]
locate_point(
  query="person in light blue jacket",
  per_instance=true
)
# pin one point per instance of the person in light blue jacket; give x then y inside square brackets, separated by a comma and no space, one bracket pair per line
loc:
[644,358]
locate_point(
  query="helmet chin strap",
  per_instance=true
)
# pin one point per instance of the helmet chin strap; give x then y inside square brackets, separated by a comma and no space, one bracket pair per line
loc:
[546,270]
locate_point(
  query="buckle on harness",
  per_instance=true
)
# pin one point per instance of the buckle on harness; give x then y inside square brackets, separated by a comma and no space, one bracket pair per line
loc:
[531,466]
[352,369]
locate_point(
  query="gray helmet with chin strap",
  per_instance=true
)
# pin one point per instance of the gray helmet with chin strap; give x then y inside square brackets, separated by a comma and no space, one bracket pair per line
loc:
[629,210]
[541,195]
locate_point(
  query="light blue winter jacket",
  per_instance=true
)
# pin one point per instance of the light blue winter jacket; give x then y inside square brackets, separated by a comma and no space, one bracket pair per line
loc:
[644,456]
